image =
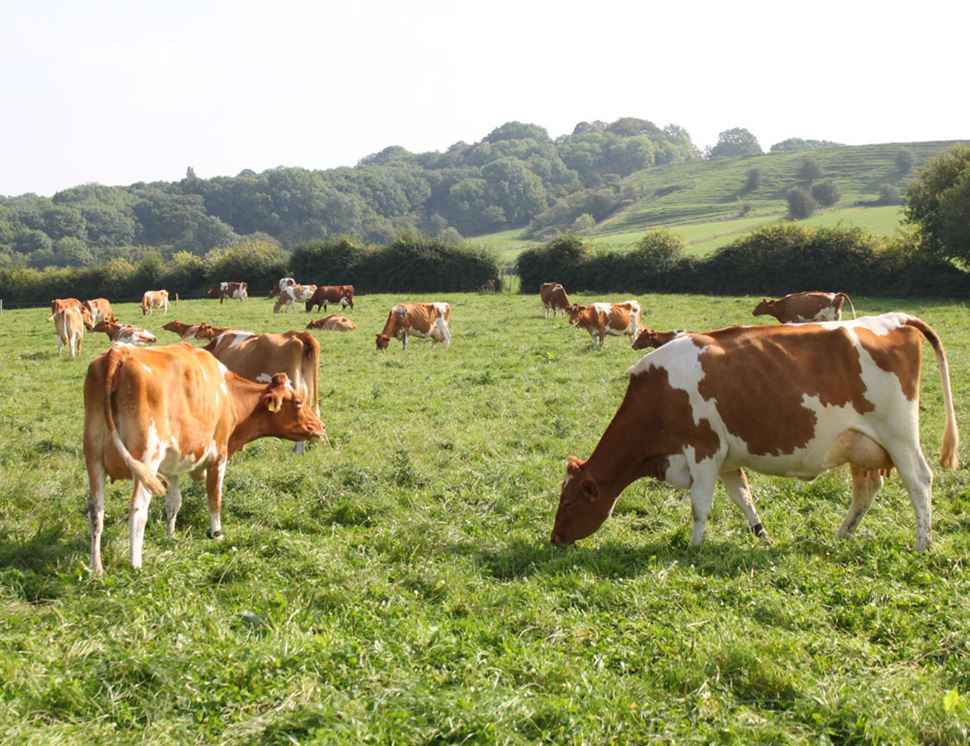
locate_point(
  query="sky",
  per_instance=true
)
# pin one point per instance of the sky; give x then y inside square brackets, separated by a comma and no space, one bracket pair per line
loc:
[120,92]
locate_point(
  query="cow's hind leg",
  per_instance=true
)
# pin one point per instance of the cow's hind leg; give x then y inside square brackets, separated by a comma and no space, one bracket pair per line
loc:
[96,477]
[918,480]
[736,484]
[865,485]
[141,497]
[701,500]
[213,486]
[173,501]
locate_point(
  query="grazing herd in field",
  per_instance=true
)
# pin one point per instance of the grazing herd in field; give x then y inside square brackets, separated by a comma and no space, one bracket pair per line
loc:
[793,399]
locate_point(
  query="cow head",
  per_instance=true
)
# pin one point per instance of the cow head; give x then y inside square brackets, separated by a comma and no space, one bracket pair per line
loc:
[582,508]
[765,307]
[575,311]
[649,338]
[286,415]
[175,326]
[383,341]
[213,293]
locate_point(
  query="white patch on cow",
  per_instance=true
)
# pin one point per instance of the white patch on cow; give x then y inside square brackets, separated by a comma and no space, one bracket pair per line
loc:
[264,378]
[603,308]
[678,472]
[204,376]
[147,369]
[442,308]
[238,337]
[399,310]
[223,286]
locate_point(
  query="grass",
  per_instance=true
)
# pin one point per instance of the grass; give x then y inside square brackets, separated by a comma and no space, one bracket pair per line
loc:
[701,200]
[398,586]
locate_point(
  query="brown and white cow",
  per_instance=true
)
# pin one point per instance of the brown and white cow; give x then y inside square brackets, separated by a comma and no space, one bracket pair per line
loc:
[128,334]
[789,400]
[153,299]
[649,338]
[333,324]
[284,282]
[802,307]
[99,310]
[554,298]
[418,319]
[226,290]
[69,325]
[60,304]
[175,410]
[293,293]
[324,294]
[259,356]
[606,319]
[187,331]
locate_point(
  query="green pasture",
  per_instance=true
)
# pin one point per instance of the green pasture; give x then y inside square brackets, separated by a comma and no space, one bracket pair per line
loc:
[397,585]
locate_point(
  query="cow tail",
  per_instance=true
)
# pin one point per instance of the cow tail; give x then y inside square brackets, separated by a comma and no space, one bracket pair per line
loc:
[846,297]
[949,449]
[140,471]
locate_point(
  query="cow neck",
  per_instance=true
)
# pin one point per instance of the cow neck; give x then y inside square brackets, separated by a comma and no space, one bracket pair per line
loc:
[246,397]
[628,451]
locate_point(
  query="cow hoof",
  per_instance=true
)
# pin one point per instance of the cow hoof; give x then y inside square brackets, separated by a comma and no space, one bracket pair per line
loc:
[218,535]
[759,531]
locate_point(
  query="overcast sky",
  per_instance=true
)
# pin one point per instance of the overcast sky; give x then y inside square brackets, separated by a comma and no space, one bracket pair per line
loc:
[119,92]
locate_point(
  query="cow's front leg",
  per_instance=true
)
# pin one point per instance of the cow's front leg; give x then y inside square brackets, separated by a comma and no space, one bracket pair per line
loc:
[736,484]
[865,485]
[213,486]
[173,501]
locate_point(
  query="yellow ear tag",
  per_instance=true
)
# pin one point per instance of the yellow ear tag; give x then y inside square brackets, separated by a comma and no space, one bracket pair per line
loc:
[273,406]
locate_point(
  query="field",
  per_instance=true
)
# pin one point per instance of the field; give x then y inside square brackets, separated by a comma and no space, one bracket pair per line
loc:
[398,586]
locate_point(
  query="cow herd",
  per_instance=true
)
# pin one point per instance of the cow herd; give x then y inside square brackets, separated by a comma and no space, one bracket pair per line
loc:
[793,399]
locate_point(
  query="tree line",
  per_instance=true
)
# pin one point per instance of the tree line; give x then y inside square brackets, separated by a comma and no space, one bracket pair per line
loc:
[503,181]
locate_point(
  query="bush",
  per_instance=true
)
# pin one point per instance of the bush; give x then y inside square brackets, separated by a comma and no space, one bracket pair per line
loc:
[904,160]
[559,260]
[889,195]
[810,169]
[826,193]
[753,179]
[801,204]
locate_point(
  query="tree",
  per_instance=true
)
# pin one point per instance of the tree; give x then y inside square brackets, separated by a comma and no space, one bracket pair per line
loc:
[753,179]
[794,144]
[826,193]
[801,204]
[904,160]
[939,202]
[810,169]
[735,142]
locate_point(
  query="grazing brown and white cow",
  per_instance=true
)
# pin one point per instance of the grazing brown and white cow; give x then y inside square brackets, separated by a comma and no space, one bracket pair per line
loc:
[259,356]
[100,310]
[69,325]
[284,282]
[127,334]
[225,290]
[802,307]
[649,338]
[333,324]
[418,319]
[602,319]
[170,411]
[153,299]
[554,298]
[187,331]
[60,304]
[293,293]
[324,294]
[789,400]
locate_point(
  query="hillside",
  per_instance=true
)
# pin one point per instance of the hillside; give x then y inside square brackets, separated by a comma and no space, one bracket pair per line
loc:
[703,200]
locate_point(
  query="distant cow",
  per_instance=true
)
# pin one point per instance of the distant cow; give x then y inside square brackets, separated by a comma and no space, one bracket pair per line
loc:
[153,299]
[69,325]
[225,290]
[99,310]
[554,298]
[324,294]
[787,400]
[293,293]
[259,356]
[170,411]
[802,307]
[606,319]
[284,282]
[333,324]
[128,334]
[418,319]
[650,338]
[61,304]
[186,331]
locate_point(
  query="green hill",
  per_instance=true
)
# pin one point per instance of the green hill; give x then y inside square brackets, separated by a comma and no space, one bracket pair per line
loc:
[707,204]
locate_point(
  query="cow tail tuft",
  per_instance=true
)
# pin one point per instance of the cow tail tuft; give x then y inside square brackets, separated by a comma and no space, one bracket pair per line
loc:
[950,447]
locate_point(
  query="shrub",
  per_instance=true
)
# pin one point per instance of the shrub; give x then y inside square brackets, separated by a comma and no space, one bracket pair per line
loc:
[888,195]
[810,169]
[826,192]
[904,161]
[560,259]
[801,204]
[753,179]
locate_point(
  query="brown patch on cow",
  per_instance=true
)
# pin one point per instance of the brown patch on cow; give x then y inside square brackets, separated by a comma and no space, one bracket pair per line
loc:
[900,352]
[746,367]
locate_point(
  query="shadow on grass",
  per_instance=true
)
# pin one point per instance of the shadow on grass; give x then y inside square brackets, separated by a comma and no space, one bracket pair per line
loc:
[31,565]
[614,560]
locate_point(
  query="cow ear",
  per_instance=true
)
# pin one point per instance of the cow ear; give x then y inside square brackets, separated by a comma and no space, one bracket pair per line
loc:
[590,490]
[574,465]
